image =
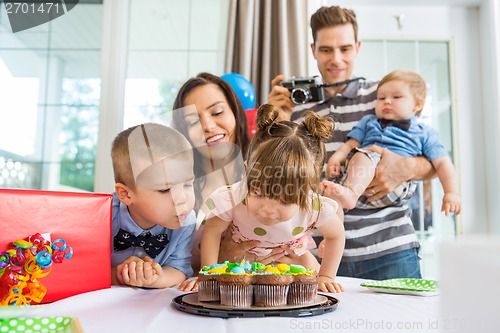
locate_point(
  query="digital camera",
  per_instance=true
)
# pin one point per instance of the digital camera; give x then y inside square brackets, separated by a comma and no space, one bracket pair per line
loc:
[304,89]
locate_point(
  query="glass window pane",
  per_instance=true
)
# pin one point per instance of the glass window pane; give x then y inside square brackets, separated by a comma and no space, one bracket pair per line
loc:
[21,97]
[34,38]
[167,65]
[206,31]
[401,55]
[371,60]
[159,24]
[48,137]
[169,42]
[210,62]
[80,28]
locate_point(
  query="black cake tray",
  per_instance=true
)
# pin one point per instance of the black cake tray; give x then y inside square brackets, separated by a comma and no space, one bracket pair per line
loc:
[189,303]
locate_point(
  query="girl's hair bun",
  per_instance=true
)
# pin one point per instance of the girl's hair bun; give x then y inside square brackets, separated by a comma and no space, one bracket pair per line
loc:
[266,116]
[319,127]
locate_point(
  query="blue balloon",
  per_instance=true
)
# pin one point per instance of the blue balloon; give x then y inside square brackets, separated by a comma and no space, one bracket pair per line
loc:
[243,89]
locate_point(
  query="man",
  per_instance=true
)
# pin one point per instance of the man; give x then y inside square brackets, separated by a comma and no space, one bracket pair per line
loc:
[380,243]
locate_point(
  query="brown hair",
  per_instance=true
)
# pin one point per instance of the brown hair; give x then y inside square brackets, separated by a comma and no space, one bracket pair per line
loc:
[139,147]
[285,159]
[242,138]
[332,16]
[415,82]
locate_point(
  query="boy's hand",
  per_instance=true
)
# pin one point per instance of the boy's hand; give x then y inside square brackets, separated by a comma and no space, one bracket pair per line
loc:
[189,285]
[451,204]
[138,272]
[327,284]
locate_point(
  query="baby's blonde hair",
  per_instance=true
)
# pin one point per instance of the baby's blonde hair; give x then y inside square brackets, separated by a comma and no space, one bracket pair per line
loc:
[416,83]
[139,147]
[285,159]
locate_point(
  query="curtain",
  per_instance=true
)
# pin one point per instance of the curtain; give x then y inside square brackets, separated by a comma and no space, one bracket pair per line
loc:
[267,38]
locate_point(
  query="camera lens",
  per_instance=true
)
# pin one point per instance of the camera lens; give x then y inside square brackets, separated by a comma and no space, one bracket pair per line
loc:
[300,96]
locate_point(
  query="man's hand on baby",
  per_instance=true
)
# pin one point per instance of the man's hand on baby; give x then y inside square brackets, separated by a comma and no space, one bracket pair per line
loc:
[391,172]
[327,284]
[189,285]
[138,272]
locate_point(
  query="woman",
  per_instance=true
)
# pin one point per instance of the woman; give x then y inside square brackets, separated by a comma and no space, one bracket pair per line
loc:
[210,115]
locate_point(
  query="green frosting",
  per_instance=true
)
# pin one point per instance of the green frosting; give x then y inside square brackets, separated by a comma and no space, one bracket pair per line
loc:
[297,269]
[257,266]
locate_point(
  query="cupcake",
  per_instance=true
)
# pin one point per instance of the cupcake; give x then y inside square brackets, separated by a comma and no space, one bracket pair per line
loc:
[304,287]
[208,287]
[271,286]
[236,290]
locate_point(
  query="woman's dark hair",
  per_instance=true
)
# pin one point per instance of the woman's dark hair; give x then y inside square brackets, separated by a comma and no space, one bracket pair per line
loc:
[242,138]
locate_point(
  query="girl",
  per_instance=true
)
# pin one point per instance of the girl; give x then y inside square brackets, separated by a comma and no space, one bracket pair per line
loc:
[278,204]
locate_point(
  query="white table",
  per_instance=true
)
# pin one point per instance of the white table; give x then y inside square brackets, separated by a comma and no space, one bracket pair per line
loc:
[125,309]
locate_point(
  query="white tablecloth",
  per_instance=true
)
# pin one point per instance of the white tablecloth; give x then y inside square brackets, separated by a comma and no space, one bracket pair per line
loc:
[125,309]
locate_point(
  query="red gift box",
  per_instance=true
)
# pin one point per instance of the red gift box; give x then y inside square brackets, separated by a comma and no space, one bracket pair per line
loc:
[83,220]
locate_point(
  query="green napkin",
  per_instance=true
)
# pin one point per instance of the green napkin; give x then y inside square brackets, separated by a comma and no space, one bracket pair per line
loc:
[40,324]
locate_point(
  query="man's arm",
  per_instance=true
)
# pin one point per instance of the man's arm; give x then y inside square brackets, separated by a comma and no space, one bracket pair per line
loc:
[394,169]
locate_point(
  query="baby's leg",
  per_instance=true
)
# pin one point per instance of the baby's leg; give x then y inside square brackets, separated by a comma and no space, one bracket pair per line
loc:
[360,172]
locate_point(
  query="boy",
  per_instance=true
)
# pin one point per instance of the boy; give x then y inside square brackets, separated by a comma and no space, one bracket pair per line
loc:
[153,217]
[400,100]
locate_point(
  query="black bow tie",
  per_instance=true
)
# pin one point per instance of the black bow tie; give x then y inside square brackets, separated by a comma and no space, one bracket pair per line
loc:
[151,244]
[403,124]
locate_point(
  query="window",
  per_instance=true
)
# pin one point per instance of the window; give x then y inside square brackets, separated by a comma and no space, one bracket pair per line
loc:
[50,101]
[169,42]
[50,92]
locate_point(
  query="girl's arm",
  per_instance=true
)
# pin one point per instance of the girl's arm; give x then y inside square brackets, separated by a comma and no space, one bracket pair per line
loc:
[334,241]
[210,241]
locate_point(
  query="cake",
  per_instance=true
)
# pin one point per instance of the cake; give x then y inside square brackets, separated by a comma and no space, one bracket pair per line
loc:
[304,286]
[241,285]
[208,287]
[236,290]
[229,283]
[271,286]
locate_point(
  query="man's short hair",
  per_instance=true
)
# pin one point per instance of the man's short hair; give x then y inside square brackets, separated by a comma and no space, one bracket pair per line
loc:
[332,16]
